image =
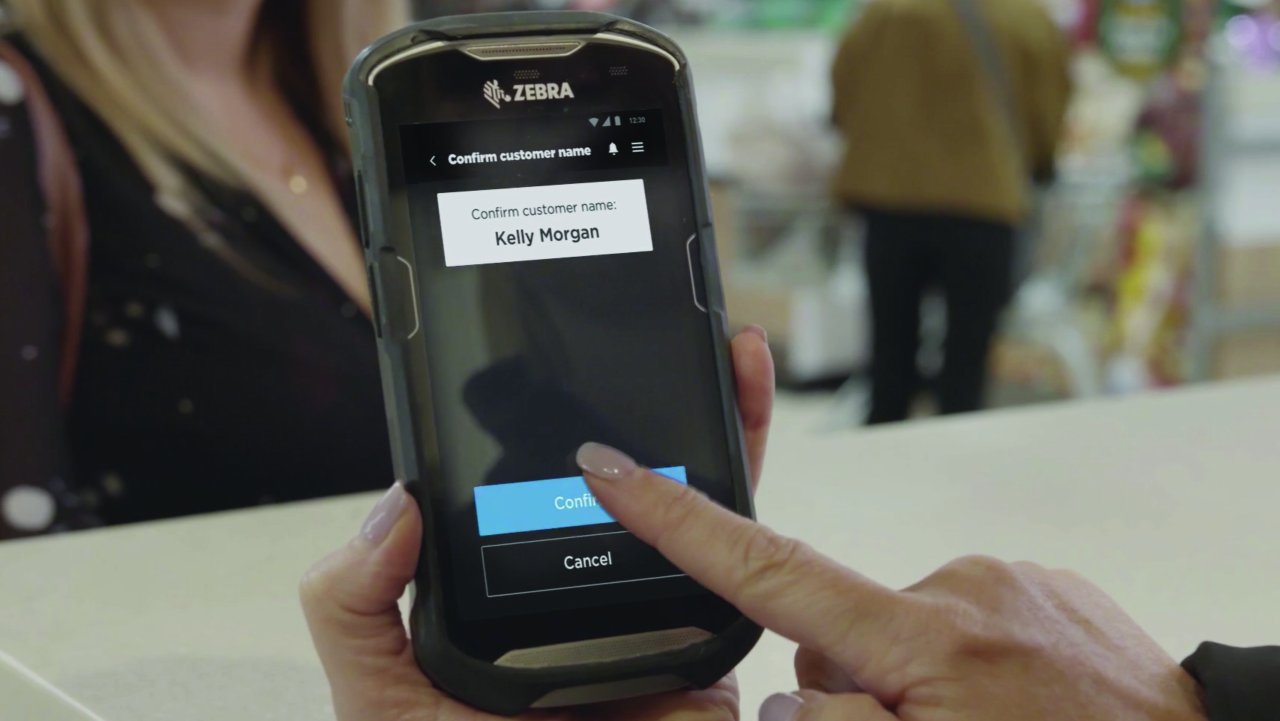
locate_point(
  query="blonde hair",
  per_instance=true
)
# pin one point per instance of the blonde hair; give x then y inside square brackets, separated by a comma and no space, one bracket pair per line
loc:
[114,56]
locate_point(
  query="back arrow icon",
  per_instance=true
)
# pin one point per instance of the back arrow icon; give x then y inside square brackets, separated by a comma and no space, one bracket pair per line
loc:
[433,160]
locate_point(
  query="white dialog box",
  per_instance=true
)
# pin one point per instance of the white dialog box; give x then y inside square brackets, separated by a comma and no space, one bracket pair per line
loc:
[511,225]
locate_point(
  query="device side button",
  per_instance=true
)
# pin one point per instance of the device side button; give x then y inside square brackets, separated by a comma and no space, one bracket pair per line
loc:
[400,296]
[696,278]
[362,210]
[373,302]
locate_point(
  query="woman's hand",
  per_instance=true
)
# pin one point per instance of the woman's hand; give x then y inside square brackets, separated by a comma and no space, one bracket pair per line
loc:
[979,640]
[350,601]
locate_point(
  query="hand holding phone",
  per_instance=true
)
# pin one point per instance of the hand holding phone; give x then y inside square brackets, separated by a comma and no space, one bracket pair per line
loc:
[351,602]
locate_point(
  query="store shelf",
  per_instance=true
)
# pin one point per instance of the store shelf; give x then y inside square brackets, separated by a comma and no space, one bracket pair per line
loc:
[1246,319]
[1240,158]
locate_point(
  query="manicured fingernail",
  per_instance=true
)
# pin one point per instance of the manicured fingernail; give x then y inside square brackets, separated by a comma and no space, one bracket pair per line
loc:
[754,329]
[384,515]
[604,462]
[780,707]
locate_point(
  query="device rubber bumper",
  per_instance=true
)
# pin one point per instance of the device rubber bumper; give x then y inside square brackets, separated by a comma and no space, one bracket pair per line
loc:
[488,686]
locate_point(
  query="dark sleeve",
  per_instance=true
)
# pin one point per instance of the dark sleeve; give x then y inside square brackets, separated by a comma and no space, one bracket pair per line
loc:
[1240,684]
[35,483]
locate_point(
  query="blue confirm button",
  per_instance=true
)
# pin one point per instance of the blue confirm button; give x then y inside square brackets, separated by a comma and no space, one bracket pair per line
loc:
[544,505]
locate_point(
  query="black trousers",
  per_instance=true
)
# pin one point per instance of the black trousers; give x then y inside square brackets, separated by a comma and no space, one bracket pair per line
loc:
[971,261]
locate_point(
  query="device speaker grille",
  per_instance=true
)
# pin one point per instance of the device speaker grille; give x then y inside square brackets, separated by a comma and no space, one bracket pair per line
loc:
[602,650]
[515,51]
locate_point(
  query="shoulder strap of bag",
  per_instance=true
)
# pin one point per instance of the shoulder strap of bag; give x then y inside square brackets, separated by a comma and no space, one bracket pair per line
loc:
[68,224]
[995,72]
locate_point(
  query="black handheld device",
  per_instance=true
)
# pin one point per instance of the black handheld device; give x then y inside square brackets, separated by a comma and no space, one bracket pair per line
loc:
[542,261]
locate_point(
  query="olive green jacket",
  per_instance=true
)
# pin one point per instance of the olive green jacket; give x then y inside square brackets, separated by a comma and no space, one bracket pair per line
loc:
[922,130]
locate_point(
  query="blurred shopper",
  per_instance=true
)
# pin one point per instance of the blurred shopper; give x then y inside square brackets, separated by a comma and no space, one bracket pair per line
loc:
[183,306]
[939,158]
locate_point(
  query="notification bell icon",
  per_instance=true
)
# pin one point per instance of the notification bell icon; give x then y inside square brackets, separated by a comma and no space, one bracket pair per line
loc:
[613,149]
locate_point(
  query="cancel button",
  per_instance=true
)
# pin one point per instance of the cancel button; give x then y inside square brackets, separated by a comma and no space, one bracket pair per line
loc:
[589,562]
[575,562]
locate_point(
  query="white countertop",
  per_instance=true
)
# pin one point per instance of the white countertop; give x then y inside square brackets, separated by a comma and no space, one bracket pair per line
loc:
[1171,502]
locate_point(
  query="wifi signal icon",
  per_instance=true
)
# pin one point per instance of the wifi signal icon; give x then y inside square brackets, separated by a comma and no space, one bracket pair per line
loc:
[594,121]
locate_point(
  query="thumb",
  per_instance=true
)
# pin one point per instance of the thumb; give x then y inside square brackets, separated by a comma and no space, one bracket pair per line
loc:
[817,706]
[350,600]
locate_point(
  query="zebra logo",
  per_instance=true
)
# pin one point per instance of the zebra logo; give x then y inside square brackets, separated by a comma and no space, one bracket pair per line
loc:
[493,93]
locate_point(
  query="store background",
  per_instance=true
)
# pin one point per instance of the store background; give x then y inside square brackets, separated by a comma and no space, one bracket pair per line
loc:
[1156,256]
[1158,265]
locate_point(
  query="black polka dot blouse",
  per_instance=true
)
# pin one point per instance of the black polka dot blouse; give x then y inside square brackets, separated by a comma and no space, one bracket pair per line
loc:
[198,388]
